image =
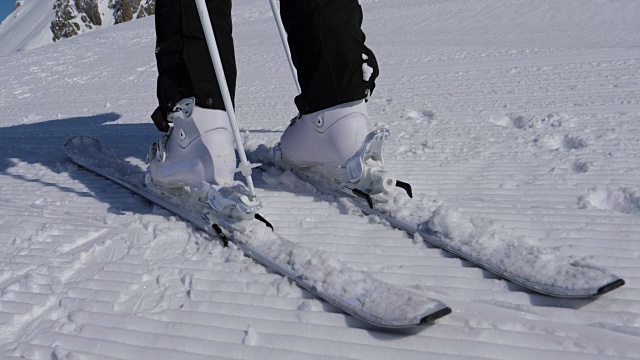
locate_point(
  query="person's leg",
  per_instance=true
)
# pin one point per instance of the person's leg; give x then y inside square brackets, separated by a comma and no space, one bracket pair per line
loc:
[336,73]
[172,70]
[185,68]
[204,84]
[200,147]
[327,46]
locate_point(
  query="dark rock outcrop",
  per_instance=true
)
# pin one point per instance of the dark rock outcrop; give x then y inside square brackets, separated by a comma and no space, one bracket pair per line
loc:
[127,10]
[76,16]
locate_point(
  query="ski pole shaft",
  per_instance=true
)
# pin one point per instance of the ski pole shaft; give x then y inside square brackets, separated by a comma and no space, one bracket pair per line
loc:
[244,167]
[283,38]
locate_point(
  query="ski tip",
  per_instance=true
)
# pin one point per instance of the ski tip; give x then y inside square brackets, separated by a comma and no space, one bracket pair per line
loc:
[76,143]
[69,141]
[435,316]
[80,139]
[610,287]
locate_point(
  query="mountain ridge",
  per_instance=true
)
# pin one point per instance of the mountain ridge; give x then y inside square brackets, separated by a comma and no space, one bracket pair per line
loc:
[36,23]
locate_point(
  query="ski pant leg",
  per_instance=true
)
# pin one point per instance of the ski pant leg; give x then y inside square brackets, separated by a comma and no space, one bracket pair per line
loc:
[327,46]
[171,68]
[196,53]
[184,66]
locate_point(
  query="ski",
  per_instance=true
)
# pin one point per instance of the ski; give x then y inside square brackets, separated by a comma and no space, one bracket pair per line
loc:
[526,265]
[356,293]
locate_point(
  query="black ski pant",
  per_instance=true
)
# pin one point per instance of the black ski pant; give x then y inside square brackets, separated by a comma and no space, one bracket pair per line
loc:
[325,38]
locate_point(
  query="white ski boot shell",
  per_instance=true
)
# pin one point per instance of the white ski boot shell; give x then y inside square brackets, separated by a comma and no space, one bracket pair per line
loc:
[325,139]
[198,150]
[198,154]
[334,142]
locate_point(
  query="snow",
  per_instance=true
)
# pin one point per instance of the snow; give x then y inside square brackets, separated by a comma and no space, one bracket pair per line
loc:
[108,16]
[251,337]
[367,70]
[355,291]
[28,27]
[524,259]
[623,200]
[518,117]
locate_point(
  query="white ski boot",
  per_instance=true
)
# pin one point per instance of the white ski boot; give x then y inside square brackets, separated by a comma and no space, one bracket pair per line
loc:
[325,139]
[334,143]
[198,154]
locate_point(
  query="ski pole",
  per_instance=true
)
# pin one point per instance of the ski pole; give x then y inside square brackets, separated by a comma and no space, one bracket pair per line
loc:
[245,166]
[283,37]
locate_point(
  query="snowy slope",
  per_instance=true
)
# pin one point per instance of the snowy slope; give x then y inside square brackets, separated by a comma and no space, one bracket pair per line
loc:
[28,27]
[521,113]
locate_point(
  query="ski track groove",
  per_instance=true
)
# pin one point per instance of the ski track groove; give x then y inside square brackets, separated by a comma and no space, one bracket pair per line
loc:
[297,330]
[333,339]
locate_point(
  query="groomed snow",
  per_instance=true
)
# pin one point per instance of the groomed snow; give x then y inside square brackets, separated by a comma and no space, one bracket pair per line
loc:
[355,292]
[520,114]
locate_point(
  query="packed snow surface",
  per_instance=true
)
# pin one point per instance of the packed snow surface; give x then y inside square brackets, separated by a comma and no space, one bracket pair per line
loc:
[355,291]
[514,116]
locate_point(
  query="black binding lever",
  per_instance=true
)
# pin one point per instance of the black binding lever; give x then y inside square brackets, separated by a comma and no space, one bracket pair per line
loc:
[363,195]
[406,187]
[264,221]
[221,235]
